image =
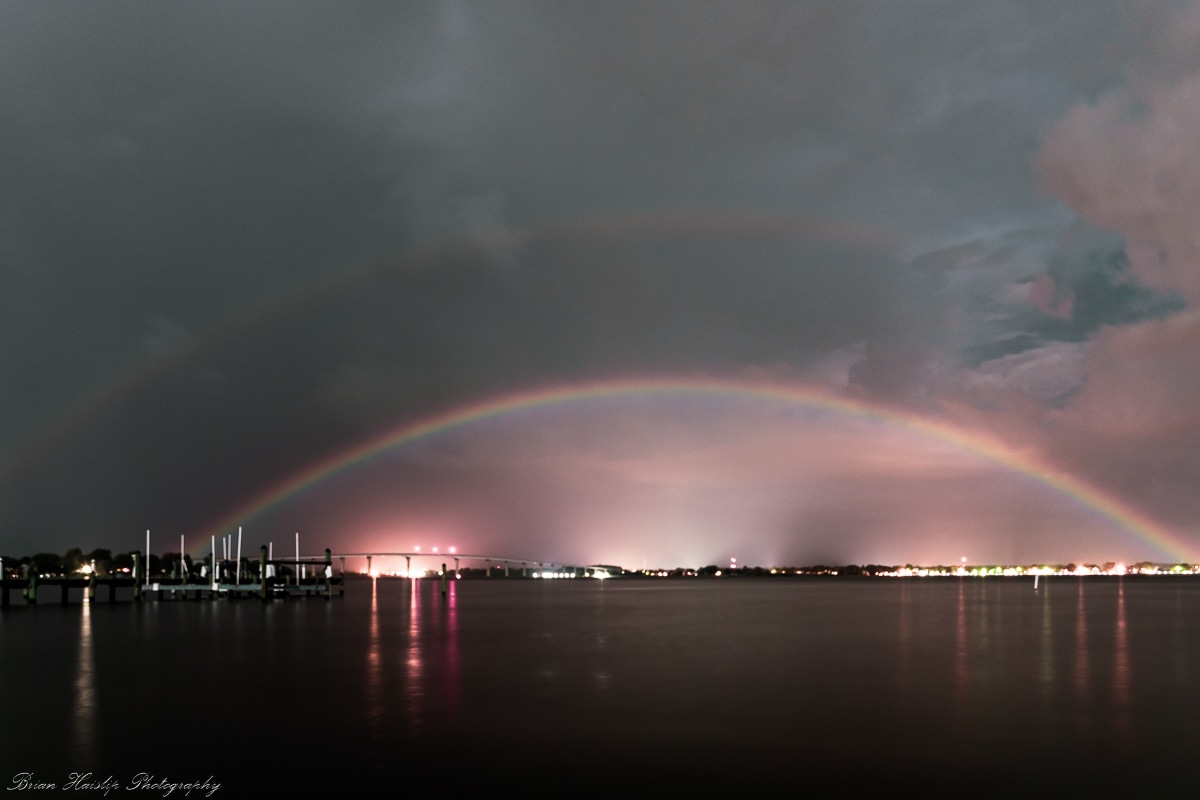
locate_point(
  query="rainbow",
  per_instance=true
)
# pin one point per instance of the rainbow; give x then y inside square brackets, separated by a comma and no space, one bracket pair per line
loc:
[800,396]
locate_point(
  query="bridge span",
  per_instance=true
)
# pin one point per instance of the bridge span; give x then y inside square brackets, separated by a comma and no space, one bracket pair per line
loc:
[540,568]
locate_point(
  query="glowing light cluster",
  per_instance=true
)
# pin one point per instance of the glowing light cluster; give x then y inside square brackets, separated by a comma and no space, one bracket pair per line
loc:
[1071,570]
[396,573]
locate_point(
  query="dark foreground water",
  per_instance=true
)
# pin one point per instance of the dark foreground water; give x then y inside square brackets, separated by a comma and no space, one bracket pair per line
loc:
[693,682]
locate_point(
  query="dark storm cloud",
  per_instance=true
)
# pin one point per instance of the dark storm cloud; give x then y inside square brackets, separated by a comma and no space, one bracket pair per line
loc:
[1074,299]
[406,343]
[172,163]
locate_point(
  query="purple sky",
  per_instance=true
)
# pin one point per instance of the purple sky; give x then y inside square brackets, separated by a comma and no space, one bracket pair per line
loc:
[237,242]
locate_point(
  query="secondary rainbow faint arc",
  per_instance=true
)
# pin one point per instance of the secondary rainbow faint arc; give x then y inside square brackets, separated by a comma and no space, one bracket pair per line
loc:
[970,441]
[665,223]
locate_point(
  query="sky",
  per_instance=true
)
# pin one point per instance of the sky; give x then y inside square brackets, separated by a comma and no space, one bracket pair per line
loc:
[644,283]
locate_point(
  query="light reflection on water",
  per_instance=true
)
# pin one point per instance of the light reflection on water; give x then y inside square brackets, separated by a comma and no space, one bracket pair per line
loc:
[953,675]
[374,675]
[904,650]
[83,722]
[962,670]
[411,626]
[1081,673]
[1122,673]
[414,676]
[452,687]
[1046,674]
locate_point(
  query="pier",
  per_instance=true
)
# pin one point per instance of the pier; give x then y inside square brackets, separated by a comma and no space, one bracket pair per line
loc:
[266,578]
[226,580]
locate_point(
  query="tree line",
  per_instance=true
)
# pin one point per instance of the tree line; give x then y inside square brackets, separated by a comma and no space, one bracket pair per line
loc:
[106,564]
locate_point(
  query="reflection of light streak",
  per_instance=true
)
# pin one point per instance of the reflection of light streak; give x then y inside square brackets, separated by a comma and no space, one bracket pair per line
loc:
[1122,674]
[1179,636]
[453,682]
[375,677]
[83,729]
[904,656]
[962,666]
[413,689]
[1082,673]
[1046,665]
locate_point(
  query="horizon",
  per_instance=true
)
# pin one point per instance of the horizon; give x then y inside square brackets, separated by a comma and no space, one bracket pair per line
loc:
[812,284]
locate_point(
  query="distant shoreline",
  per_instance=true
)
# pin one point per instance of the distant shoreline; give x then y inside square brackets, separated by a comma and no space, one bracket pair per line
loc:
[103,563]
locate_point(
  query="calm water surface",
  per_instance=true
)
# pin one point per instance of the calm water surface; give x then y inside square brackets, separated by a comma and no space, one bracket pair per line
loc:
[982,679]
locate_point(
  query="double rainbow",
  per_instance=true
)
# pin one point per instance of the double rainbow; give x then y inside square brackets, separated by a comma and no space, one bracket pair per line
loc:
[975,442]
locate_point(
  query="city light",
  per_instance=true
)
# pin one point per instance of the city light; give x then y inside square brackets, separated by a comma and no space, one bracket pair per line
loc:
[1075,570]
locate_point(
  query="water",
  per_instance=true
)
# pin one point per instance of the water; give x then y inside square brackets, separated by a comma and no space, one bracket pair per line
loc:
[711,680]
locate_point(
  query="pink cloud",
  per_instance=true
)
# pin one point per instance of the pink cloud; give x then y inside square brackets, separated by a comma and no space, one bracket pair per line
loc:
[1129,162]
[1132,428]
[1045,297]
[1143,379]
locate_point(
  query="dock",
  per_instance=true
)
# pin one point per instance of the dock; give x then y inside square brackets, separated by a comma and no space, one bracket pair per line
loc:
[266,578]
[226,581]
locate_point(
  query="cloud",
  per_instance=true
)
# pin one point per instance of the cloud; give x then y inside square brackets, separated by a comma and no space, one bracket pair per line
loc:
[1142,379]
[1051,374]
[1073,299]
[1127,161]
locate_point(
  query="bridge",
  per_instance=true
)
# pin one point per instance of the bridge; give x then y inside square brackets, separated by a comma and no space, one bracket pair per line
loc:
[541,568]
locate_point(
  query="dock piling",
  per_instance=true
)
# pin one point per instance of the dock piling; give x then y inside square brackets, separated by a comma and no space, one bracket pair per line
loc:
[238,582]
[262,573]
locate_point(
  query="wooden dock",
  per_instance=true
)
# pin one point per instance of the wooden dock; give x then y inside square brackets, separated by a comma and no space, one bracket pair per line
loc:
[266,585]
[266,579]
